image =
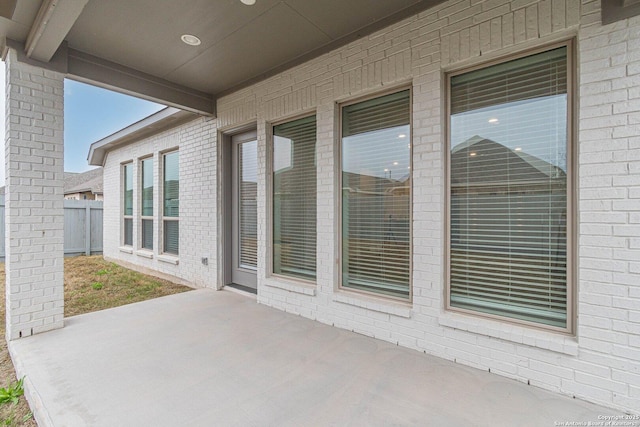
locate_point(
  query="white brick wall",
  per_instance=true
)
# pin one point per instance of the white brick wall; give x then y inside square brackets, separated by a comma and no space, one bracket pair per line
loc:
[601,363]
[198,164]
[609,301]
[34,199]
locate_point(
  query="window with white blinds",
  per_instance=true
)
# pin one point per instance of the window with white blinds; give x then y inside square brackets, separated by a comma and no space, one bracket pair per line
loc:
[127,202]
[146,201]
[248,204]
[171,203]
[508,189]
[376,195]
[294,198]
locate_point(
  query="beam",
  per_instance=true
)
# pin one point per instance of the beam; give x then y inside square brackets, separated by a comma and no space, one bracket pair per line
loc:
[109,75]
[52,24]
[616,10]
[7,8]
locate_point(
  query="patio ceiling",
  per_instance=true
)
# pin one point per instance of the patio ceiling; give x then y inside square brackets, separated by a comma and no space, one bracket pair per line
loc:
[135,46]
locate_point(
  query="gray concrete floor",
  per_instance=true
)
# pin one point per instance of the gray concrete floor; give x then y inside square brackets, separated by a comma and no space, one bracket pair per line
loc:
[207,358]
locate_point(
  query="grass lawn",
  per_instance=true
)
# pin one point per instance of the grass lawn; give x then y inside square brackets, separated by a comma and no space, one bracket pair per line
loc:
[90,284]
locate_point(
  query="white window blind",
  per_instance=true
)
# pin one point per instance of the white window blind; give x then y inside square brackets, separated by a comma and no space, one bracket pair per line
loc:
[294,198]
[508,180]
[128,204]
[147,203]
[171,203]
[248,169]
[376,195]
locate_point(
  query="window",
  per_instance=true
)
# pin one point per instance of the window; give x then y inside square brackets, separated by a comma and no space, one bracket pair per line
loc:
[294,198]
[127,211]
[147,203]
[376,195]
[508,177]
[171,202]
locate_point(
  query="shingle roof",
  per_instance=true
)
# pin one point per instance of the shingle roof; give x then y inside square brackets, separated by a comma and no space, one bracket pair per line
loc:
[79,182]
[86,181]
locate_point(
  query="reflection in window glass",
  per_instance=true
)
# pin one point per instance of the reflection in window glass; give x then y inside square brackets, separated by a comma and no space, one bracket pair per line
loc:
[508,180]
[294,198]
[147,203]
[248,209]
[171,203]
[171,185]
[376,195]
[128,189]
[128,204]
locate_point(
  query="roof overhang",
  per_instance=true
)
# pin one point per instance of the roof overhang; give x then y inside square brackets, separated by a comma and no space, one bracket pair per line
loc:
[135,47]
[165,119]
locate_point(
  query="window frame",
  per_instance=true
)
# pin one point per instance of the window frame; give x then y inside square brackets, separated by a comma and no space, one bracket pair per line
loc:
[124,217]
[571,238]
[141,216]
[270,196]
[339,106]
[162,249]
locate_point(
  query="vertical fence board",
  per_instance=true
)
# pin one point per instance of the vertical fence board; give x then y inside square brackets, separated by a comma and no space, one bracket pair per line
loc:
[96,229]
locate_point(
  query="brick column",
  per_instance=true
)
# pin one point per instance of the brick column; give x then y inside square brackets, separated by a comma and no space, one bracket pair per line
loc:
[34,215]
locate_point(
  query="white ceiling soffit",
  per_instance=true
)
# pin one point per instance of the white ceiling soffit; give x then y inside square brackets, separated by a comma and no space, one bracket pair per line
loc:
[135,47]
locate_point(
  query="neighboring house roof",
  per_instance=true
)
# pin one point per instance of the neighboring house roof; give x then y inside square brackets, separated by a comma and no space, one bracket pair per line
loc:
[79,182]
[496,163]
[83,182]
[162,120]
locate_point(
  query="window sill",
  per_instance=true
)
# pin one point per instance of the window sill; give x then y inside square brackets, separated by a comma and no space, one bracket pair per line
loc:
[169,259]
[126,249]
[144,253]
[547,340]
[291,286]
[375,304]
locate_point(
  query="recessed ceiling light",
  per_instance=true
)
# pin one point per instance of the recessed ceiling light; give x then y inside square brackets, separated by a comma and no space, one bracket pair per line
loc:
[248,2]
[518,148]
[190,39]
[472,154]
[395,163]
[493,120]
[402,135]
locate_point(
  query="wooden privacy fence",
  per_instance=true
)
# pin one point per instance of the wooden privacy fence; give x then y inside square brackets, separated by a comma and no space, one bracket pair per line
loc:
[82,227]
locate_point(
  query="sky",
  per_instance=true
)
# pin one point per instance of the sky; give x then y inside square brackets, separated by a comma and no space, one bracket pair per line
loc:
[90,114]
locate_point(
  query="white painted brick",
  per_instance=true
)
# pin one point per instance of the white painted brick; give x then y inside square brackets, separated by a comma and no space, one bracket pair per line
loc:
[34,211]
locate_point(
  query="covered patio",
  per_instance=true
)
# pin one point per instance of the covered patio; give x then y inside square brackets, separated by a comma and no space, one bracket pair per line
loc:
[206,358]
[217,358]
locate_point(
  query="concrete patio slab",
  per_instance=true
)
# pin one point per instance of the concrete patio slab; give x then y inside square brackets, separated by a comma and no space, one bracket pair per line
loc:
[207,358]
